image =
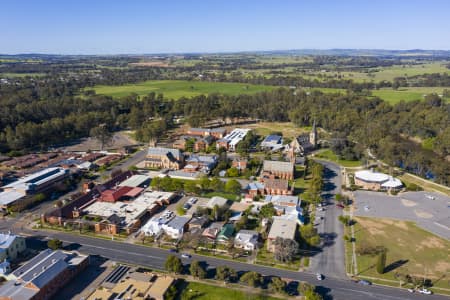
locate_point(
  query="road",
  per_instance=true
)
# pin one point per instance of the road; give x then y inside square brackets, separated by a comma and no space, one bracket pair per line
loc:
[331,260]
[332,288]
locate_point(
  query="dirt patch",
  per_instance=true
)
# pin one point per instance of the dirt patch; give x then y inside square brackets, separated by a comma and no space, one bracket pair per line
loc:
[408,203]
[442,266]
[433,242]
[423,214]
[119,141]
[373,227]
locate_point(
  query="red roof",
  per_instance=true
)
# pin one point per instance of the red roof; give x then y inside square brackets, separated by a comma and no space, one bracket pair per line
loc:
[134,192]
[113,195]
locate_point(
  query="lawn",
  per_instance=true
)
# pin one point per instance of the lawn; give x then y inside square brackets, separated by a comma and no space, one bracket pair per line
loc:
[176,89]
[214,292]
[408,94]
[266,258]
[423,253]
[329,155]
[425,184]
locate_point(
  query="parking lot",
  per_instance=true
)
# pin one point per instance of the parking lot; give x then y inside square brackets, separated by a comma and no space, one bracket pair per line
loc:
[200,202]
[431,211]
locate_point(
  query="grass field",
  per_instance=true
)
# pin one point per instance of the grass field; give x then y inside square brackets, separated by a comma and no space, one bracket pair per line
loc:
[407,94]
[424,254]
[176,89]
[425,184]
[213,292]
[13,75]
[329,155]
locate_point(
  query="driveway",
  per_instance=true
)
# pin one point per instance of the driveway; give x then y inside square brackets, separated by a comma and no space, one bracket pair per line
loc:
[431,211]
[331,260]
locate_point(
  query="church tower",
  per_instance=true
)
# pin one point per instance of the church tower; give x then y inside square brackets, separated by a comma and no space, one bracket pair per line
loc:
[313,135]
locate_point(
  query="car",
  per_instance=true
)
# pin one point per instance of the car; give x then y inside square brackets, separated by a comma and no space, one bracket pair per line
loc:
[340,205]
[186,206]
[425,291]
[364,282]
[366,208]
[411,290]
[192,200]
[319,276]
[185,255]
[173,250]
[320,208]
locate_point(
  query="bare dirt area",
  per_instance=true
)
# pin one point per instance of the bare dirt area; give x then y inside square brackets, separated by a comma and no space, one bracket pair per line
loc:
[120,140]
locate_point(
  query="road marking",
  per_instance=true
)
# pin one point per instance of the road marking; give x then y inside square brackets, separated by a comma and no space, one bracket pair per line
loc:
[372,294]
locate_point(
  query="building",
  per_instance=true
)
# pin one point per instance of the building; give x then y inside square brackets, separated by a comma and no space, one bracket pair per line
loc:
[281,227]
[226,233]
[31,184]
[280,169]
[11,246]
[43,276]
[272,142]
[202,144]
[231,140]
[164,158]
[201,163]
[137,180]
[212,230]
[154,226]
[276,187]
[287,206]
[159,288]
[240,164]
[197,223]
[247,240]
[216,200]
[305,143]
[370,180]
[216,133]
[176,227]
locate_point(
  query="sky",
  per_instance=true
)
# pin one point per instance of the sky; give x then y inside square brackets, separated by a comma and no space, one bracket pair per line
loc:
[182,26]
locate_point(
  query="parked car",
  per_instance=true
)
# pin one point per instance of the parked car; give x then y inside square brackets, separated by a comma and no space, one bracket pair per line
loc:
[425,291]
[340,205]
[319,276]
[411,290]
[185,255]
[186,206]
[173,250]
[192,200]
[364,282]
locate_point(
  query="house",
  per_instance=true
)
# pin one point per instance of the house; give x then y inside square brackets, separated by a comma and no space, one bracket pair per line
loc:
[305,143]
[164,158]
[11,246]
[240,164]
[280,169]
[216,200]
[43,276]
[254,189]
[231,140]
[272,142]
[284,228]
[202,163]
[226,233]
[198,223]
[287,206]
[175,227]
[213,230]
[202,144]
[246,239]
[370,180]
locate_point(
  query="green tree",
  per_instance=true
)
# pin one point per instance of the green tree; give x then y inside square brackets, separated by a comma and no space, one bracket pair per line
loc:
[267,211]
[54,244]
[381,261]
[277,285]
[191,187]
[197,270]
[173,264]
[232,172]
[252,279]
[233,186]
[225,273]
[102,134]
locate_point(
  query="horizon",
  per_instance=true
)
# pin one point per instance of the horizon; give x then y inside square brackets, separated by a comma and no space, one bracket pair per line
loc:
[176,27]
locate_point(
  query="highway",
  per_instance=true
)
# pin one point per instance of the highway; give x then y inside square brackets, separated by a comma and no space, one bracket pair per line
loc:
[331,287]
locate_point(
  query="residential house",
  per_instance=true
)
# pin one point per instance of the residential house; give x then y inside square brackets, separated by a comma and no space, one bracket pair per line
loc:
[283,228]
[202,163]
[226,233]
[212,230]
[216,133]
[240,164]
[198,223]
[246,239]
[11,246]
[175,227]
[164,158]
[280,169]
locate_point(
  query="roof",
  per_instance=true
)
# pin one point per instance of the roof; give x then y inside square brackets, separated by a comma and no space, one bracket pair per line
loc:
[202,220]
[283,228]
[282,200]
[160,286]
[226,231]
[9,197]
[278,166]
[6,240]
[204,159]
[392,183]
[184,175]
[280,184]
[14,290]
[246,235]
[272,139]
[216,200]
[135,180]
[255,185]
[235,136]
[178,222]
[134,192]
[37,178]
[160,151]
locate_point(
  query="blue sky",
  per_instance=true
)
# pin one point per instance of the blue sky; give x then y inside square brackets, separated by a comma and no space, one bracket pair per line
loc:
[155,26]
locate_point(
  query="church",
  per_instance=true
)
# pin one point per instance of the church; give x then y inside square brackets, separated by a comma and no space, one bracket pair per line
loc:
[306,142]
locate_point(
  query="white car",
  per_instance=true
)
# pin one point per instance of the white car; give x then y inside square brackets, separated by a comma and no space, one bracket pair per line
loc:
[185,255]
[319,276]
[425,291]
[366,208]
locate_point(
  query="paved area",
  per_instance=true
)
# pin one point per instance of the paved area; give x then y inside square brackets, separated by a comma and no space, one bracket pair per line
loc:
[431,211]
[330,260]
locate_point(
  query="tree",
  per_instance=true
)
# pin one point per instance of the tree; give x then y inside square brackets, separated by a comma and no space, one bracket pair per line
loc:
[197,270]
[54,244]
[381,261]
[190,187]
[180,210]
[171,293]
[252,279]
[233,186]
[173,264]
[216,185]
[285,249]
[304,287]
[277,285]
[225,273]
[312,295]
[232,172]
[102,134]
[267,211]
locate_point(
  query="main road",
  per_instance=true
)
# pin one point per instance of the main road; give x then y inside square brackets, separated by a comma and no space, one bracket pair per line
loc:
[331,287]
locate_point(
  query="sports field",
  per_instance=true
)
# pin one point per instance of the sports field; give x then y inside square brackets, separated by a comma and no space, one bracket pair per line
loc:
[176,89]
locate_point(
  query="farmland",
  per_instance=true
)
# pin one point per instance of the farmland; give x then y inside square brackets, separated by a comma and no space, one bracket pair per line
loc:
[175,89]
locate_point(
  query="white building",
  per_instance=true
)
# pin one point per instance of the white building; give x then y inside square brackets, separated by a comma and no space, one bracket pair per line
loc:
[175,227]
[371,180]
[233,138]
[11,246]
[154,226]
[216,200]
[246,239]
